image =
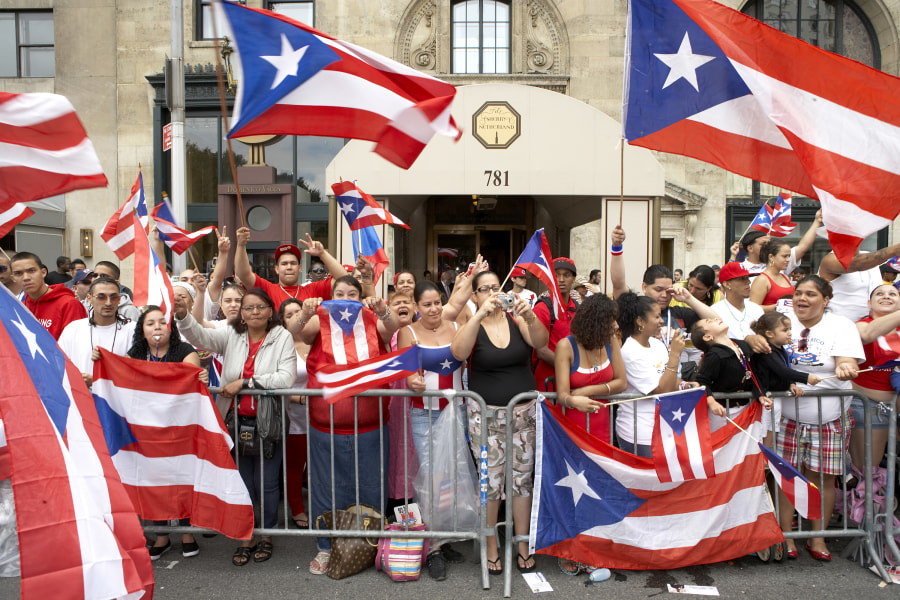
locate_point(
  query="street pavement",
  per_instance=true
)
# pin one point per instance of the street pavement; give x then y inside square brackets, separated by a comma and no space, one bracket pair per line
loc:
[210,575]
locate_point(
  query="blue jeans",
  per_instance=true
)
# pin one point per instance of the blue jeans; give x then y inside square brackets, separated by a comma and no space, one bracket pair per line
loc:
[248,467]
[372,456]
[420,422]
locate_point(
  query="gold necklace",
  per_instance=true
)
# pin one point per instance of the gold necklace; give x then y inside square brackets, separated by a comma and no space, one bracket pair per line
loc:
[287,293]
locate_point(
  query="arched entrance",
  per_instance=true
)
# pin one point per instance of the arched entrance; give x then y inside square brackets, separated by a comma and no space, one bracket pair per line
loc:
[528,158]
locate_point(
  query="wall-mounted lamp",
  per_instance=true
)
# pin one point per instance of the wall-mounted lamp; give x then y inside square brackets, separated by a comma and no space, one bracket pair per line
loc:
[229,74]
[87,242]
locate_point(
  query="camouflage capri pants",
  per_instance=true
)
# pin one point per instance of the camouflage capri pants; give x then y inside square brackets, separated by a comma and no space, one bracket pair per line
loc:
[523,447]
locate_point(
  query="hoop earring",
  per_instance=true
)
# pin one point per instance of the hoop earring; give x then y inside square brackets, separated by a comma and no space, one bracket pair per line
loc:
[640,328]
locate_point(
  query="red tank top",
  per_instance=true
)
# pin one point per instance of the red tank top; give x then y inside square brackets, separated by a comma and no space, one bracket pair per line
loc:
[584,376]
[879,379]
[777,292]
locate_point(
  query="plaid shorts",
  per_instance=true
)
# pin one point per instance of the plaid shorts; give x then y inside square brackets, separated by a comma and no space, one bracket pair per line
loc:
[522,451]
[803,444]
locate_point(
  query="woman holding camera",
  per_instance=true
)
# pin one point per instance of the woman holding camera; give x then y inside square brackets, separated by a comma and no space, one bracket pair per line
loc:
[498,343]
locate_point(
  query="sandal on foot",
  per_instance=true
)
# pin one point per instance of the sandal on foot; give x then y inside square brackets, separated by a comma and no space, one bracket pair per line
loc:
[569,567]
[263,551]
[498,568]
[523,568]
[778,552]
[242,555]
[319,564]
[302,522]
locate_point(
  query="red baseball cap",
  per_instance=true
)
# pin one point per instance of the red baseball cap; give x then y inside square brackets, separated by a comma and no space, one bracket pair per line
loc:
[732,270]
[518,272]
[564,262]
[349,268]
[288,249]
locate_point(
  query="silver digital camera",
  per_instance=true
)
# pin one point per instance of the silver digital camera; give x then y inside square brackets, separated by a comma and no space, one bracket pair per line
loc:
[506,301]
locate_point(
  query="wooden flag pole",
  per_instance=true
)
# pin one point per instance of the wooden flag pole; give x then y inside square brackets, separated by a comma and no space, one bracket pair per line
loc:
[621,178]
[224,108]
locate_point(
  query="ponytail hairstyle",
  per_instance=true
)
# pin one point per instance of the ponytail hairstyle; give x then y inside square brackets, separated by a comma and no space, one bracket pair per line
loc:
[632,306]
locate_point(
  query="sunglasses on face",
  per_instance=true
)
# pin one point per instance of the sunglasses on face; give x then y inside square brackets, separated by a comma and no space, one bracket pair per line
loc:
[317,270]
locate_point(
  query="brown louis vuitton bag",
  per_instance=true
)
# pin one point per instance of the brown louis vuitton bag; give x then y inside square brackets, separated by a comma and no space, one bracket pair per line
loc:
[349,556]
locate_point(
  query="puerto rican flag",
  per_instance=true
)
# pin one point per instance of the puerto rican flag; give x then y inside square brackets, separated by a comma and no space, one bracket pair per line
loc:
[781,216]
[44,149]
[298,81]
[171,234]
[152,287]
[441,372]
[119,232]
[763,219]
[11,214]
[448,252]
[886,350]
[79,536]
[682,445]
[367,243]
[598,505]
[345,337]
[342,381]
[169,444]
[537,260]
[706,81]
[360,209]
[802,493]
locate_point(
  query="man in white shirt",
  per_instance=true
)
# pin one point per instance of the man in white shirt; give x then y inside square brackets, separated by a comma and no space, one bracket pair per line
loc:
[105,328]
[519,280]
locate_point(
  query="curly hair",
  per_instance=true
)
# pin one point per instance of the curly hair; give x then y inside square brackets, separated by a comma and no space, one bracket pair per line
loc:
[140,347]
[632,306]
[237,322]
[594,323]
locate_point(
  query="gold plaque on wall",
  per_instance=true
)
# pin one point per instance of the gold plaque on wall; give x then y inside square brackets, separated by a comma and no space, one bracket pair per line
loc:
[496,125]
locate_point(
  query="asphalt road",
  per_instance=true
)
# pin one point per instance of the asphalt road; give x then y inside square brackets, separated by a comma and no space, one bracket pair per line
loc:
[210,575]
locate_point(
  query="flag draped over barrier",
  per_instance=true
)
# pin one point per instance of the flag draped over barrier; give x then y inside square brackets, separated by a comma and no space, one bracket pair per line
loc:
[79,536]
[169,444]
[601,506]
[706,81]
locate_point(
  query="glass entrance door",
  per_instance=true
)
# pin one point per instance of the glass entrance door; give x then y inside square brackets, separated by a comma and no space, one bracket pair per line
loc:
[458,246]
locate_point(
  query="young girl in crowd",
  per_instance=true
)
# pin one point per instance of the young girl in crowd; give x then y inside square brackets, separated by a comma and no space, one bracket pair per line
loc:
[725,370]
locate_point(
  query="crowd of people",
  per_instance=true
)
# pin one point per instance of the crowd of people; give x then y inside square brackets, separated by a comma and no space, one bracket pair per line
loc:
[748,325]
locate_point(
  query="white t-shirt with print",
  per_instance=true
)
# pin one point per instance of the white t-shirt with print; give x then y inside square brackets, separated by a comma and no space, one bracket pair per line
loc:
[832,336]
[643,367]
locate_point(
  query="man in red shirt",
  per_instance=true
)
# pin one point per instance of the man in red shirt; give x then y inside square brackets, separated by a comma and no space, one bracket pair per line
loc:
[288,259]
[55,306]
[565,277]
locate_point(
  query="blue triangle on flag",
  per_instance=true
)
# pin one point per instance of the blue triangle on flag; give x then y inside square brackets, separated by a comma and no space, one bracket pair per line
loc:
[344,313]
[576,493]
[676,409]
[407,361]
[533,252]
[116,430]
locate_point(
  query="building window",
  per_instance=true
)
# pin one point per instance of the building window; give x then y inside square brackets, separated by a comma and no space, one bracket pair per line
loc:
[481,36]
[26,44]
[838,26]
[205,29]
[298,10]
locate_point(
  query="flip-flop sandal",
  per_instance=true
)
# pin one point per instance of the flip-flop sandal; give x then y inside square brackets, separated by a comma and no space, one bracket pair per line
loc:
[573,569]
[778,552]
[242,555]
[526,569]
[263,551]
[495,563]
[301,522]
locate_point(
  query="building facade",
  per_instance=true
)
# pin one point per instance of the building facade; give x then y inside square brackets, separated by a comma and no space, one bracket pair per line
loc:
[539,98]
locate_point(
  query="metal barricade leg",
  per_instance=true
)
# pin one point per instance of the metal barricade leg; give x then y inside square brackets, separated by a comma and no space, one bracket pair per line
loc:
[891,479]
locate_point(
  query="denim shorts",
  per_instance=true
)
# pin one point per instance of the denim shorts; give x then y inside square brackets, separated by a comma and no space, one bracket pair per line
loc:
[881,413]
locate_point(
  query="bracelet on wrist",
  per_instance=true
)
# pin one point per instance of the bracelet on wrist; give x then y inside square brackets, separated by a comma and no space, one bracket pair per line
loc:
[672,369]
[565,401]
[616,250]
[386,315]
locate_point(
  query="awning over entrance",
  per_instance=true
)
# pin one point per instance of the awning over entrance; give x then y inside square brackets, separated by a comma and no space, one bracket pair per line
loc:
[566,155]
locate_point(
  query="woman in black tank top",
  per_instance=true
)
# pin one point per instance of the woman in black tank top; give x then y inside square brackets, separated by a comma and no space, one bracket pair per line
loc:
[498,345]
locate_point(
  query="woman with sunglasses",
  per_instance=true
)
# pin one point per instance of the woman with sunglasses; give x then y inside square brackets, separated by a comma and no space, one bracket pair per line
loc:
[823,344]
[259,354]
[498,344]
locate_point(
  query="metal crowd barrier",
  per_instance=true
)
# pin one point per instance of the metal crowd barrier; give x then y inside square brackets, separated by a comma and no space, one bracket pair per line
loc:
[865,532]
[457,534]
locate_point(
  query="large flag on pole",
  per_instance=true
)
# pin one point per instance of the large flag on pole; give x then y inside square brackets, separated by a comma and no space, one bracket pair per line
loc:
[171,234]
[118,233]
[169,444]
[79,536]
[537,260]
[44,149]
[298,81]
[11,214]
[706,81]
[598,505]
[151,284]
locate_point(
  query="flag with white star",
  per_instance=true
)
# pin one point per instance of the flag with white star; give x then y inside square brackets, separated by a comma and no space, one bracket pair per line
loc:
[803,494]
[343,381]
[294,80]
[598,505]
[706,81]
[360,209]
[682,445]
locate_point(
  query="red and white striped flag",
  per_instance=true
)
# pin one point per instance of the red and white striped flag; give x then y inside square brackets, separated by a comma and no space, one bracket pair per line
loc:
[79,536]
[44,149]
[886,350]
[781,216]
[169,444]
[343,381]
[298,81]
[118,232]
[11,215]
[537,260]
[802,493]
[682,445]
[152,287]
[360,209]
[171,234]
